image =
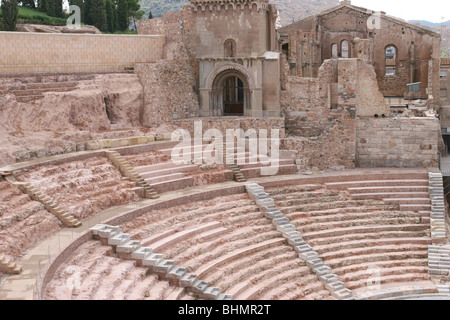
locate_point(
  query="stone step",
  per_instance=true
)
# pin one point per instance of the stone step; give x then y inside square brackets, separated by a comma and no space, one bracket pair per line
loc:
[157,167]
[362,230]
[258,164]
[158,179]
[165,172]
[370,235]
[46,85]
[172,239]
[388,189]
[304,219]
[415,207]
[29,98]
[371,265]
[256,172]
[380,249]
[370,243]
[172,185]
[408,201]
[376,183]
[387,195]
[233,256]
[357,223]
[372,257]
[390,279]
[35,92]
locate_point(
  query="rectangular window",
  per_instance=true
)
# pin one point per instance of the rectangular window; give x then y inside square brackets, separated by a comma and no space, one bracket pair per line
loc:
[390,71]
[443,93]
[443,74]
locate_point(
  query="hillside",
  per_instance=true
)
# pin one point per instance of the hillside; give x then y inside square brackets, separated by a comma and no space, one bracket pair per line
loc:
[431,24]
[443,29]
[289,9]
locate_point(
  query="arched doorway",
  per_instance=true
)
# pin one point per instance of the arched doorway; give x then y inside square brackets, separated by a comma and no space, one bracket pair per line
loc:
[233,96]
[230,94]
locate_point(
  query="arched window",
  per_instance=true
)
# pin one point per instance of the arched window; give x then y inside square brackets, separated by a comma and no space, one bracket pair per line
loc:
[229,48]
[345,49]
[334,51]
[391,60]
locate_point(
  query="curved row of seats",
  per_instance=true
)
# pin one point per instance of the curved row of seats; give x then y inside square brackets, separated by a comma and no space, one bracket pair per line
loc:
[23,223]
[93,273]
[360,232]
[82,188]
[227,242]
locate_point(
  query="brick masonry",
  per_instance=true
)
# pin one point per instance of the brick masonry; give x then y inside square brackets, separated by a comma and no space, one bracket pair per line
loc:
[405,142]
[54,52]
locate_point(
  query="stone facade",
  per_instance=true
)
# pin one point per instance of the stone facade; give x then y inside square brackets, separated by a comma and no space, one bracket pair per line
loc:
[341,30]
[401,142]
[57,52]
[230,40]
[444,75]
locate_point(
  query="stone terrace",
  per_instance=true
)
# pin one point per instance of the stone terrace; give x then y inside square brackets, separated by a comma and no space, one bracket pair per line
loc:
[365,230]
[83,188]
[23,223]
[228,243]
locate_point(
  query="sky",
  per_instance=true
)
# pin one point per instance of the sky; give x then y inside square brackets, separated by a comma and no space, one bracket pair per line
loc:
[431,10]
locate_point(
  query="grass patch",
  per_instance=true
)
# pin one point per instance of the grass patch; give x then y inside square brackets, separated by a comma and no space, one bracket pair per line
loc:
[34,16]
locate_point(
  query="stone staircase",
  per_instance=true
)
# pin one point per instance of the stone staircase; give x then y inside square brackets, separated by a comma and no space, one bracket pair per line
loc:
[8,266]
[294,237]
[67,219]
[166,269]
[33,91]
[128,171]
[363,224]
[35,194]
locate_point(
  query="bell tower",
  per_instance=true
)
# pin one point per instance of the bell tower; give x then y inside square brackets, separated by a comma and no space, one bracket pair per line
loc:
[239,72]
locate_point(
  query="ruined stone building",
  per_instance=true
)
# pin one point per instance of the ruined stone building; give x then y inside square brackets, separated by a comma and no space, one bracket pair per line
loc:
[444,75]
[401,53]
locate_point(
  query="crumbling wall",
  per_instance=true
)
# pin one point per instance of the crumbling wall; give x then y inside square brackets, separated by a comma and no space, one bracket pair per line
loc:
[404,142]
[320,131]
[170,85]
[369,99]
[168,91]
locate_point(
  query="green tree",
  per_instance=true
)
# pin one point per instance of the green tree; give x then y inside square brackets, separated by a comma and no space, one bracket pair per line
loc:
[110,15]
[28,3]
[42,5]
[122,15]
[87,12]
[150,16]
[10,12]
[135,16]
[98,14]
[134,12]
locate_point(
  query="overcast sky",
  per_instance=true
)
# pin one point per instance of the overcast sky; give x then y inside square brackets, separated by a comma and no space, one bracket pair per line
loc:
[431,10]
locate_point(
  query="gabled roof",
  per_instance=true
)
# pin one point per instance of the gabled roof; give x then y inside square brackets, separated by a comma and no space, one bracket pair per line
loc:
[347,4]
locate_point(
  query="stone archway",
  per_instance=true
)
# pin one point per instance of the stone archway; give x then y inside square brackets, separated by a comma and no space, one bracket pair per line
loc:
[230,93]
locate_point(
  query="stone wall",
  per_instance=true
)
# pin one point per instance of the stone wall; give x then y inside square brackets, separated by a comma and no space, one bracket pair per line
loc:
[415,46]
[59,52]
[168,91]
[405,142]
